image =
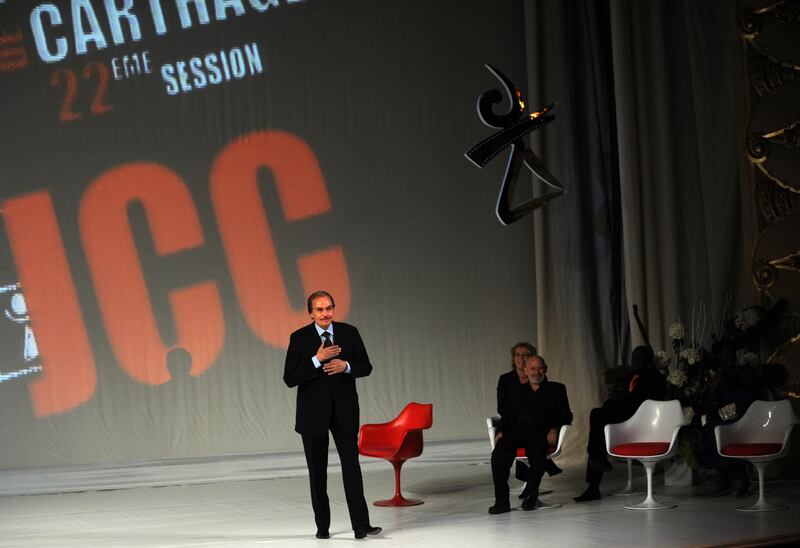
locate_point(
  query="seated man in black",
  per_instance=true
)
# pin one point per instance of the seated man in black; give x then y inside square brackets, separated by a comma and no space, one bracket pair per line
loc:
[535,413]
[508,387]
[644,383]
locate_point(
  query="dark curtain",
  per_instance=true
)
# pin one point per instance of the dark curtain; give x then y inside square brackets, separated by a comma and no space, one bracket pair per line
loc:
[647,140]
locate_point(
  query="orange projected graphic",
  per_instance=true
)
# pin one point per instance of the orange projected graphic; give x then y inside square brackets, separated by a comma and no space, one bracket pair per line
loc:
[13,56]
[117,274]
[246,235]
[68,373]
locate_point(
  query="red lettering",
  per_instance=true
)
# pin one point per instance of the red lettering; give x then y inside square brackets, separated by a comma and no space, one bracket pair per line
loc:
[246,235]
[117,274]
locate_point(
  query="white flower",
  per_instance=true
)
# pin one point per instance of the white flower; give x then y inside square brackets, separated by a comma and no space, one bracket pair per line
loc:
[676,331]
[677,378]
[750,359]
[662,359]
[688,412]
[747,318]
[692,355]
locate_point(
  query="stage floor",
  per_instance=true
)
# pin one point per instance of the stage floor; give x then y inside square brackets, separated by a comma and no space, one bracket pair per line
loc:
[453,479]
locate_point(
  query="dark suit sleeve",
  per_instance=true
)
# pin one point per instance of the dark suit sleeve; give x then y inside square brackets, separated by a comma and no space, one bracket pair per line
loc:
[503,404]
[502,397]
[563,414]
[298,367]
[356,355]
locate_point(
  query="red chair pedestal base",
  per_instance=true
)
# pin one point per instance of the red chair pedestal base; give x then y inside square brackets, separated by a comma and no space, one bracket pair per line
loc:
[398,499]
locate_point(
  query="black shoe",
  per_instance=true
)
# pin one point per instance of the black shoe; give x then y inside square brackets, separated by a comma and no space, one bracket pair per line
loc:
[552,468]
[500,508]
[591,493]
[323,534]
[600,465]
[362,533]
[530,503]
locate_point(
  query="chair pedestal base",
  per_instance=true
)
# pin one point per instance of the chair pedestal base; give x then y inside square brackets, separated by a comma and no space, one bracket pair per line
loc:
[649,504]
[762,506]
[629,488]
[398,500]
[540,505]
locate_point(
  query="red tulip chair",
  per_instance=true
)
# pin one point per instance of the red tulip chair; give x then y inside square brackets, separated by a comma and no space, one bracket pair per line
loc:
[397,441]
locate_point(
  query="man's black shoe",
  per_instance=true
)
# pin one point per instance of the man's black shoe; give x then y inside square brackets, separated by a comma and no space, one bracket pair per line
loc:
[530,503]
[362,533]
[500,508]
[592,493]
[552,468]
[323,534]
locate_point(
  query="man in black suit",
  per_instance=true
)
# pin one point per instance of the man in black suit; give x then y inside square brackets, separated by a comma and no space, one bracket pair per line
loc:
[643,383]
[323,360]
[532,422]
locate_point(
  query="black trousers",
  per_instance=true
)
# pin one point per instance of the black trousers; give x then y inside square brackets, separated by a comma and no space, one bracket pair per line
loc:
[505,451]
[316,450]
[599,417]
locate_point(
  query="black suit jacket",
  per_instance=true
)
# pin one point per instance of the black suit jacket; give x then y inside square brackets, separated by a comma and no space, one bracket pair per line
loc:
[506,385]
[325,401]
[540,411]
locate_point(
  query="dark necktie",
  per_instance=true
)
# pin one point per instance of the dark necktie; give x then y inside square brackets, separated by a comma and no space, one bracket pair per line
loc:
[327,342]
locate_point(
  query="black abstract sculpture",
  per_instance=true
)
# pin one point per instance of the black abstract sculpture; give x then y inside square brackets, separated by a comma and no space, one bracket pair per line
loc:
[513,126]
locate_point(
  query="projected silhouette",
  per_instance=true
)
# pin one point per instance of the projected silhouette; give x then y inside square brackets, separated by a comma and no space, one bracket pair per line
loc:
[513,126]
[16,310]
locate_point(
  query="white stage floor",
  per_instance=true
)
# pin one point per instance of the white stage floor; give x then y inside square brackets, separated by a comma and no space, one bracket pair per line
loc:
[453,479]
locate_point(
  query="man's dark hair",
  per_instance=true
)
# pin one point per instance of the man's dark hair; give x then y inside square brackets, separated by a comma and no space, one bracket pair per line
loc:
[528,346]
[317,295]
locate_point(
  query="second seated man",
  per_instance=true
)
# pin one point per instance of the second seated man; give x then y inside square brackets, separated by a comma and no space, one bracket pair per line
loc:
[530,421]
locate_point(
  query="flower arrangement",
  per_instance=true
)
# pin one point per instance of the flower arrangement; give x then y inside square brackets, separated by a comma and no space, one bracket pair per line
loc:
[752,337]
[692,371]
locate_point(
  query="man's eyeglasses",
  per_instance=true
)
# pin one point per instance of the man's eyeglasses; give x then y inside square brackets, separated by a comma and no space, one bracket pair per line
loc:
[321,310]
